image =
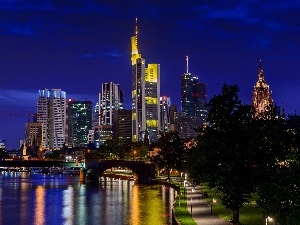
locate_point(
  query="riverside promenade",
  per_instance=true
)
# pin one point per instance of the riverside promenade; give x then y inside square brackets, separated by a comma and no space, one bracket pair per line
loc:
[200,209]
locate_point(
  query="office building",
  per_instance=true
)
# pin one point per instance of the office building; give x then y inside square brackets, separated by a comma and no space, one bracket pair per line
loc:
[51,112]
[193,95]
[110,99]
[165,117]
[145,95]
[79,122]
[122,126]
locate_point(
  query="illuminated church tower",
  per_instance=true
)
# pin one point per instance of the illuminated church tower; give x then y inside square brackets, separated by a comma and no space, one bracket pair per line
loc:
[145,95]
[261,96]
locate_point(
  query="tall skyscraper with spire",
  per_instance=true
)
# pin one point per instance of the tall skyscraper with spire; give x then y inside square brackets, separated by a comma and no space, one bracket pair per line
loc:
[193,99]
[261,95]
[193,94]
[145,95]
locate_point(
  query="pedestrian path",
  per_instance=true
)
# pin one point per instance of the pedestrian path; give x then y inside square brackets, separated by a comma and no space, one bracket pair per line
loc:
[200,210]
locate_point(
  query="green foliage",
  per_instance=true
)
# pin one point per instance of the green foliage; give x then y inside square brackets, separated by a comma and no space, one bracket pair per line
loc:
[226,151]
[56,154]
[113,149]
[171,153]
[279,192]
[238,154]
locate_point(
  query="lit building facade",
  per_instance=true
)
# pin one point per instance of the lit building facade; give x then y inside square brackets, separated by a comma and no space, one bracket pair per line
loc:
[79,122]
[95,119]
[51,112]
[145,95]
[165,117]
[34,135]
[122,126]
[110,99]
[261,96]
[193,101]
[193,94]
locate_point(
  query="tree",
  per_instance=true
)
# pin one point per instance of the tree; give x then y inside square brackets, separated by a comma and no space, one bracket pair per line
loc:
[139,150]
[226,150]
[113,149]
[171,152]
[279,191]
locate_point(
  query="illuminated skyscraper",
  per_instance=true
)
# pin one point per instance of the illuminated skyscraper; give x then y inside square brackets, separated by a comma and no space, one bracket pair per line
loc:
[165,117]
[79,122]
[145,95]
[110,99]
[261,96]
[51,111]
[193,95]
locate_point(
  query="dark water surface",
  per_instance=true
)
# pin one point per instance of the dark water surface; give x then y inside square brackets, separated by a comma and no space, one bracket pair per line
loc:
[60,199]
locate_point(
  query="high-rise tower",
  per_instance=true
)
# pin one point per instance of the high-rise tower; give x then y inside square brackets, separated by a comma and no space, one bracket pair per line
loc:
[79,122]
[51,111]
[110,99]
[145,94]
[193,94]
[165,117]
[261,95]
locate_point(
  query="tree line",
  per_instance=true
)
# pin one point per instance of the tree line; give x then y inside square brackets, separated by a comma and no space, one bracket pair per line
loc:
[237,154]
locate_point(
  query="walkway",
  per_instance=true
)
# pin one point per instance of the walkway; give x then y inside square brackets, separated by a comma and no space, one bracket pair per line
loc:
[200,210]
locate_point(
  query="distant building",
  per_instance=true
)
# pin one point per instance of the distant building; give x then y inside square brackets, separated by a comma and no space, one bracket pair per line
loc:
[193,105]
[95,119]
[79,122]
[145,95]
[187,125]
[51,112]
[193,95]
[34,135]
[165,117]
[122,126]
[110,99]
[101,134]
[261,95]
[173,118]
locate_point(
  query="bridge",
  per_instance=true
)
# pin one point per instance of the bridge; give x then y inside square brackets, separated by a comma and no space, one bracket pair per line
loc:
[145,171]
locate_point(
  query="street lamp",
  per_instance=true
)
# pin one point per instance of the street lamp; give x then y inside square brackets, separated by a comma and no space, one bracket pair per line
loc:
[211,204]
[268,219]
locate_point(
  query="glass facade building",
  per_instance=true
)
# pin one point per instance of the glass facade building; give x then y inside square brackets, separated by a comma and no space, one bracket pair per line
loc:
[79,122]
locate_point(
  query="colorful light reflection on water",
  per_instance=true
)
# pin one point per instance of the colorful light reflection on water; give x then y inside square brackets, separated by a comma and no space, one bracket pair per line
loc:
[60,199]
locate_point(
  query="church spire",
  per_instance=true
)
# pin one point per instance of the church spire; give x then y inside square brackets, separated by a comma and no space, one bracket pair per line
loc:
[260,71]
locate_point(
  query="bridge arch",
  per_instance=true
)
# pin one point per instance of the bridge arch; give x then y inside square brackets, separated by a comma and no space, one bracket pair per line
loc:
[145,171]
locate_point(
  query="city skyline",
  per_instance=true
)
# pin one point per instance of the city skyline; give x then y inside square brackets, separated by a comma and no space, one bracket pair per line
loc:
[77,47]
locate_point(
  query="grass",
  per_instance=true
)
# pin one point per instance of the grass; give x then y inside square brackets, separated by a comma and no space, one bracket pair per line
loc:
[181,210]
[249,214]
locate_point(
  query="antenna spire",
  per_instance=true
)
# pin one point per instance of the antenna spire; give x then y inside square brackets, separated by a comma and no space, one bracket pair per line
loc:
[136,26]
[187,64]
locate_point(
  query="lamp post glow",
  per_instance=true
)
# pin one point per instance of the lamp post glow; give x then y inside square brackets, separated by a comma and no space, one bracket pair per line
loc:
[268,219]
[211,204]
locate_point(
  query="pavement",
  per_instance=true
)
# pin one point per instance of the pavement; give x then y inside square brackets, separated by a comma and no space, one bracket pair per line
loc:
[200,209]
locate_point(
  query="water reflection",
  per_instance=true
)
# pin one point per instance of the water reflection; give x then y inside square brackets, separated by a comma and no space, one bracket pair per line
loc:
[39,218]
[61,199]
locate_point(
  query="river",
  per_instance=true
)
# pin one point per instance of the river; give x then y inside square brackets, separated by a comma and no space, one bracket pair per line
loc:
[46,199]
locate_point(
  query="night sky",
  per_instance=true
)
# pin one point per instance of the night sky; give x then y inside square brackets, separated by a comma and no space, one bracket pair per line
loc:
[77,45]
